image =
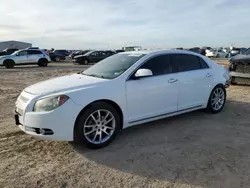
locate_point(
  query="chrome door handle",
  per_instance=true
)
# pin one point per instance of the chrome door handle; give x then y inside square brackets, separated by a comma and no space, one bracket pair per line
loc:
[172,80]
[209,74]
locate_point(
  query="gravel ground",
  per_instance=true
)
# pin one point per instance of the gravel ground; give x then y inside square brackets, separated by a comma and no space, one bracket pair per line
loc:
[192,150]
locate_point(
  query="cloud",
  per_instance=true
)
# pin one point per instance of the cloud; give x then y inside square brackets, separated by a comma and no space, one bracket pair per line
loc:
[112,23]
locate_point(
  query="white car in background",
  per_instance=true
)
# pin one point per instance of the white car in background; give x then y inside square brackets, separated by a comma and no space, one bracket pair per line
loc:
[121,91]
[25,57]
[217,53]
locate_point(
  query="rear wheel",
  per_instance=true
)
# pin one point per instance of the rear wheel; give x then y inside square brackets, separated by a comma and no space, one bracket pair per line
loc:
[57,59]
[217,99]
[9,64]
[97,126]
[43,62]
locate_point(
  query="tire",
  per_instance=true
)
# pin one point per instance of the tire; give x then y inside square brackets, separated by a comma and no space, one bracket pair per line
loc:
[212,106]
[9,64]
[217,56]
[92,132]
[57,59]
[43,63]
[85,61]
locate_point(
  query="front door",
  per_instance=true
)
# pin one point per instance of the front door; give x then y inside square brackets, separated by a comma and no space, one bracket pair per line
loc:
[94,57]
[152,96]
[21,57]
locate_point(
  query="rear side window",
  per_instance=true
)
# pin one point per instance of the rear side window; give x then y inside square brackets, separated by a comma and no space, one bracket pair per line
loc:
[186,62]
[203,63]
[159,65]
[34,52]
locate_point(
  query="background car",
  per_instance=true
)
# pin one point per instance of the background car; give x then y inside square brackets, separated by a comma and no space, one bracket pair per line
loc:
[8,51]
[239,67]
[152,85]
[218,53]
[195,49]
[56,56]
[62,52]
[80,52]
[92,57]
[25,57]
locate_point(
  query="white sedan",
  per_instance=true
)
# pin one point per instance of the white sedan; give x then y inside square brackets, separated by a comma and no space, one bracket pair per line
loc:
[124,90]
[217,54]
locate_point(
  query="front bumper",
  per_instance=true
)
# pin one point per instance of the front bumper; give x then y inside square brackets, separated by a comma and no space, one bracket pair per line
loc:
[54,125]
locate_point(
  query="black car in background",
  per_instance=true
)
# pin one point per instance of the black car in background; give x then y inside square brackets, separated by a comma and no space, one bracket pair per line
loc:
[80,52]
[58,55]
[92,57]
[8,51]
[62,52]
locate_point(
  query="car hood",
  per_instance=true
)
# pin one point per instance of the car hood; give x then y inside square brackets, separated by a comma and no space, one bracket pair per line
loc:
[79,56]
[5,56]
[240,57]
[64,83]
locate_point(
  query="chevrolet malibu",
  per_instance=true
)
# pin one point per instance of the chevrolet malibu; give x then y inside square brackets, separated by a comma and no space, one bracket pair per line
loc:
[121,91]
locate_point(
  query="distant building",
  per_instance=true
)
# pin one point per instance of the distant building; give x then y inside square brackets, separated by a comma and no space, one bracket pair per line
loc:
[14,44]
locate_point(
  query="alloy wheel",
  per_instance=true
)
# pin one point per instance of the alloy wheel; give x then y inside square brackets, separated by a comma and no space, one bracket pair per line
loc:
[99,126]
[218,99]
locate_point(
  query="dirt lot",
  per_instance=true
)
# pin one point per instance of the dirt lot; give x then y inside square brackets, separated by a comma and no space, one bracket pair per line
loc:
[191,150]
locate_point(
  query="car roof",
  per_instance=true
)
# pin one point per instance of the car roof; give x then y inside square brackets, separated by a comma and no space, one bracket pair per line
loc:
[155,52]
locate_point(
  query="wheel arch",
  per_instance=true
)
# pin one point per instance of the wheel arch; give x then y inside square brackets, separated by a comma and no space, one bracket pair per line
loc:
[43,59]
[217,85]
[8,60]
[112,103]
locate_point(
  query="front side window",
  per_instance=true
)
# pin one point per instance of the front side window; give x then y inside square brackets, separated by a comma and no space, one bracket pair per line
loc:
[113,66]
[186,62]
[20,53]
[94,54]
[159,65]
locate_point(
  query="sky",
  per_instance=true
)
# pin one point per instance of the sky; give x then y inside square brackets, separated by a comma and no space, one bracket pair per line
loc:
[98,24]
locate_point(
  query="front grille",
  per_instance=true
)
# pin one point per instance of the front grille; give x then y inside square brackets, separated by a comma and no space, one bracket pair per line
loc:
[243,68]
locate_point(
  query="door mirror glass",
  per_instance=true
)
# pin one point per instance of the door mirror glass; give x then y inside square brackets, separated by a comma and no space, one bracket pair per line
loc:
[143,73]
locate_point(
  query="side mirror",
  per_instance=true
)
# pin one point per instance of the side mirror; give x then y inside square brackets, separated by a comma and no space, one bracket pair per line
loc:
[17,54]
[143,73]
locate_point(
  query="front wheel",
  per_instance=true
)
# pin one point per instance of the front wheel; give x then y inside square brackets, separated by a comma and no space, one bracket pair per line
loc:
[9,64]
[217,99]
[97,126]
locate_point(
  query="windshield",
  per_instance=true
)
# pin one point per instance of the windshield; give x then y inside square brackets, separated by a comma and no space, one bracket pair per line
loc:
[113,66]
[88,53]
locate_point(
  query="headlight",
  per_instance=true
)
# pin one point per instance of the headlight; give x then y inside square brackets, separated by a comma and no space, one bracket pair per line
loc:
[49,104]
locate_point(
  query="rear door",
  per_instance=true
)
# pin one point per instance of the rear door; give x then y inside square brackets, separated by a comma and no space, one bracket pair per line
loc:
[34,56]
[194,77]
